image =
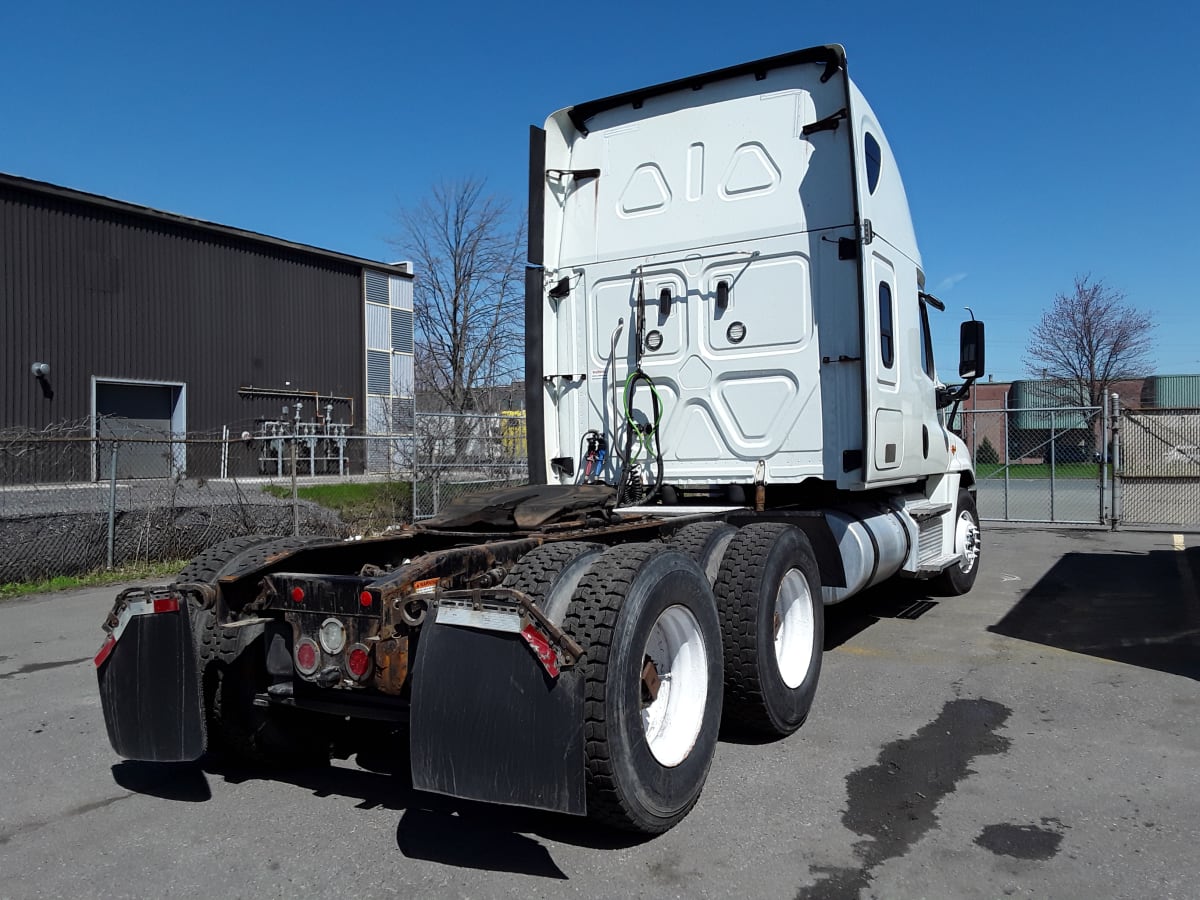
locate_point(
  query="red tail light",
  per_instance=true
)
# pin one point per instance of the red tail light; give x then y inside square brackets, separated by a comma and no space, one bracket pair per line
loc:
[358,661]
[308,657]
[298,594]
[364,598]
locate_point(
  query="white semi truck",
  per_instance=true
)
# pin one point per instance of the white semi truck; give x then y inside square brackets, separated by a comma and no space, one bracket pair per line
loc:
[733,422]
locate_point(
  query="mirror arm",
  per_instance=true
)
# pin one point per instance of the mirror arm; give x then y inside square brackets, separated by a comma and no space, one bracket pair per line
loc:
[946,397]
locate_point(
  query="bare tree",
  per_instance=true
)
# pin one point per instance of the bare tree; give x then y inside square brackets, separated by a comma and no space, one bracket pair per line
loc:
[468,249]
[1088,340]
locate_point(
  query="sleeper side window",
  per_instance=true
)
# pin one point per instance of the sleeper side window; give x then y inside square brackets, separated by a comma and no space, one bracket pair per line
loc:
[874,157]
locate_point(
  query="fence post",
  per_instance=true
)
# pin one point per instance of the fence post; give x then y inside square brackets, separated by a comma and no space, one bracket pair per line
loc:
[112,503]
[295,504]
[1053,441]
[415,464]
[437,489]
[1007,458]
[1103,455]
[1115,421]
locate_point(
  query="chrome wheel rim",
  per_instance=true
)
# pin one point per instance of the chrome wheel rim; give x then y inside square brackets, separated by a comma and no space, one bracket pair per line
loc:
[967,539]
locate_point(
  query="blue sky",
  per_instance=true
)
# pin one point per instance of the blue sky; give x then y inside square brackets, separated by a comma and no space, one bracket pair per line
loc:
[1036,141]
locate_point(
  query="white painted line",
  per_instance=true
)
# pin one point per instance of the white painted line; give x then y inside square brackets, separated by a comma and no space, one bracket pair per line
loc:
[1177,539]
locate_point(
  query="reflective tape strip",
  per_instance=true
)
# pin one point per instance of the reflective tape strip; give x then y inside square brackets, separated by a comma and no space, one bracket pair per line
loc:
[105,649]
[542,649]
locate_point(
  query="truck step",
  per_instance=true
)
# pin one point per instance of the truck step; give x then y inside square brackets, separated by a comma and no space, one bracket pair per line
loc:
[934,566]
[926,509]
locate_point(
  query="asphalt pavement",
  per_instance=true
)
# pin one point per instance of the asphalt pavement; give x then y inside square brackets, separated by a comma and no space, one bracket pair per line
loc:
[1065,500]
[1037,737]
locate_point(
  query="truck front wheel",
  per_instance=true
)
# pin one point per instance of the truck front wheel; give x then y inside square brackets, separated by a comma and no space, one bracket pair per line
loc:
[646,618]
[773,625]
[960,577]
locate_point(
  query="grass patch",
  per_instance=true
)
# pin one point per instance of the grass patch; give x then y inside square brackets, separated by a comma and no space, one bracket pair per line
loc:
[128,572]
[365,507]
[1041,470]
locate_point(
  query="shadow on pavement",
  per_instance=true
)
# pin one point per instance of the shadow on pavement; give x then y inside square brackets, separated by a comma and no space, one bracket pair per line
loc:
[894,599]
[454,832]
[1137,609]
[182,782]
[472,843]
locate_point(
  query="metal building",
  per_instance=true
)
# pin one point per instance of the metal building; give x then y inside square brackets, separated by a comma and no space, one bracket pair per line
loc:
[143,319]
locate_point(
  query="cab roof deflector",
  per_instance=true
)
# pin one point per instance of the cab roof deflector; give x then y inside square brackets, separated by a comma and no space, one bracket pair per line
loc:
[833,56]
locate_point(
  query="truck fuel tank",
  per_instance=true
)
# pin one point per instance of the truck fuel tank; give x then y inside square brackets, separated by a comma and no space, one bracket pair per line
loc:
[873,542]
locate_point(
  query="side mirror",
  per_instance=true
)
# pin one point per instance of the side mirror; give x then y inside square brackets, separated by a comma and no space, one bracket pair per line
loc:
[970,350]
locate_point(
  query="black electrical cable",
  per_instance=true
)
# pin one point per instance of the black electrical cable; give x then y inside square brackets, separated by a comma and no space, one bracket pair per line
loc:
[637,375]
[632,428]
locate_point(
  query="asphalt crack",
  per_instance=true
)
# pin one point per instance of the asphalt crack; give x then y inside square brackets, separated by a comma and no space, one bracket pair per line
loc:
[39,667]
[7,834]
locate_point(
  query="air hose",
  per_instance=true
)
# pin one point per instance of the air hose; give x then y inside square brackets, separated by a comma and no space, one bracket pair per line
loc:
[629,488]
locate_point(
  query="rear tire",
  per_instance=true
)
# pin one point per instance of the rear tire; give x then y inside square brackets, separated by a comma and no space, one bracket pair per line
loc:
[650,738]
[706,543]
[550,573]
[237,555]
[773,627]
[232,664]
[960,577]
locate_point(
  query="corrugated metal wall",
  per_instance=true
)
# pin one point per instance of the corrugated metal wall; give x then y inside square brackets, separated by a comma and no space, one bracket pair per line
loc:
[1028,396]
[1174,391]
[99,292]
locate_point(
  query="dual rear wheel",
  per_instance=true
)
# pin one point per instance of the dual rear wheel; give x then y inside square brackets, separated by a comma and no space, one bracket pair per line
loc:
[665,654]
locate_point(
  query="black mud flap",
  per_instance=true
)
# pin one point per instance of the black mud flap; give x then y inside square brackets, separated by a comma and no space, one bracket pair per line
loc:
[489,723]
[149,684]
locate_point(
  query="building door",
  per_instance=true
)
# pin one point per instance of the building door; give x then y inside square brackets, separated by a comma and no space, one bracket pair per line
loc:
[142,418]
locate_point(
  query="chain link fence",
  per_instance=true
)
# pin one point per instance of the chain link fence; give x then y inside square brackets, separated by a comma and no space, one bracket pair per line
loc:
[458,455]
[1040,465]
[76,497]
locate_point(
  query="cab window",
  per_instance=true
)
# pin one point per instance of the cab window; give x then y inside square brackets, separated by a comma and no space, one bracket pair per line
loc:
[887,340]
[926,344]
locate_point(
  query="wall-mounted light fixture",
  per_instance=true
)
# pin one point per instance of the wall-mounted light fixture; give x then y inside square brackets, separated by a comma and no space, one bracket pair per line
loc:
[41,371]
